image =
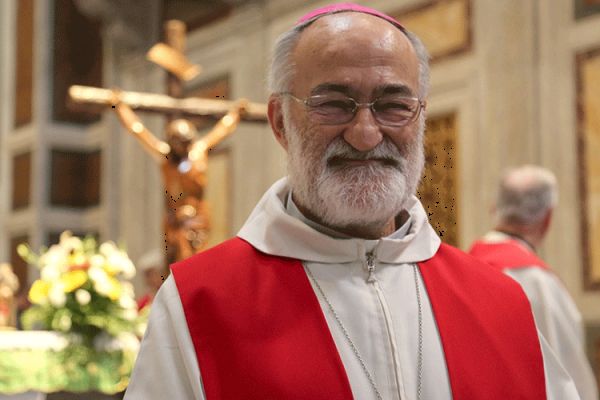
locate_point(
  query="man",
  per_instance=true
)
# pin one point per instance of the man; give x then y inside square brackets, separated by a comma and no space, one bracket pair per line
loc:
[526,199]
[337,286]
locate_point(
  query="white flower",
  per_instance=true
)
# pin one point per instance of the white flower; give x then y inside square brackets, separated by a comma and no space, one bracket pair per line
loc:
[57,295]
[140,329]
[97,261]
[128,268]
[108,248]
[127,302]
[50,272]
[65,236]
[71,243]
[97,274]
[83,297]
[103,287]
[121,264]
[55,257]
[130,314]
[128,341]
[128,289]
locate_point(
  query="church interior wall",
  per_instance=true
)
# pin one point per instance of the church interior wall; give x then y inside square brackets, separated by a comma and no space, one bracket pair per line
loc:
[505,91]
[513,92]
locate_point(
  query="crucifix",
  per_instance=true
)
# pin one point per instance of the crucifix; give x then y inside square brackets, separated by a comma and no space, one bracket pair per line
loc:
[183,156]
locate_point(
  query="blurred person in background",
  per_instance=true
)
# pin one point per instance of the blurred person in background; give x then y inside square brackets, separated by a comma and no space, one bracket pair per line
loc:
[526,199]
[152,266]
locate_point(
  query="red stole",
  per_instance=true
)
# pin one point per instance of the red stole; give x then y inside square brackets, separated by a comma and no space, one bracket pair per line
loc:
[259,331]
[508,254]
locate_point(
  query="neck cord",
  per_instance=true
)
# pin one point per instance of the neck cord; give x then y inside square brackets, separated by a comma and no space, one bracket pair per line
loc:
[353,346]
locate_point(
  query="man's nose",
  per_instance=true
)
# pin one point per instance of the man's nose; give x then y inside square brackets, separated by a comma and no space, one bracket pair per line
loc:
[363,132]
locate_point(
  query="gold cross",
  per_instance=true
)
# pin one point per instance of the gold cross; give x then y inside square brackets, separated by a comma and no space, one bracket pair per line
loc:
[183,155]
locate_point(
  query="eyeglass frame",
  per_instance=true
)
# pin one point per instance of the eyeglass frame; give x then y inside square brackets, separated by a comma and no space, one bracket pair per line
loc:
[421,105]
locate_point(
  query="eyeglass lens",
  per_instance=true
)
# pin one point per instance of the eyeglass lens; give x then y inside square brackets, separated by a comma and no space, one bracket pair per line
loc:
[388,110]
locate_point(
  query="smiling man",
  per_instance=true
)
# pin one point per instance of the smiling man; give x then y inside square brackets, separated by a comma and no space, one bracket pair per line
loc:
[337,287]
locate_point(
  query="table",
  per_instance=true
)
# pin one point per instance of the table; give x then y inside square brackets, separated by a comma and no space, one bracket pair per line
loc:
[47,362]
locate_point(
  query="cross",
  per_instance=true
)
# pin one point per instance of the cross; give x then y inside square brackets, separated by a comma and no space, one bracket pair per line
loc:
[171,57]
[182,157]
[164,104]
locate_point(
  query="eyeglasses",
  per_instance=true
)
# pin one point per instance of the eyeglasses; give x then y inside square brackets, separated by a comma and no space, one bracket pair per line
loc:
[337,109]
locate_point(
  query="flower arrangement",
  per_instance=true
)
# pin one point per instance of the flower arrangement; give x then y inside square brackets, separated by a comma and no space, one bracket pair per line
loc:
[83,289]
[9,283]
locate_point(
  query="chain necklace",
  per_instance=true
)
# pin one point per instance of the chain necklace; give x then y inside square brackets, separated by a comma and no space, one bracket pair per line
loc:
[355,349]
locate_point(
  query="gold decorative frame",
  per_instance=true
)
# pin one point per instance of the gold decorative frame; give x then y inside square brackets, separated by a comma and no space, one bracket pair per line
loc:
[438,190]
[444,26]
[588,148]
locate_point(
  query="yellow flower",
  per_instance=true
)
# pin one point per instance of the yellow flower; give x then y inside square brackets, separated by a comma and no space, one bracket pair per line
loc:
[38,294]
[74,280]
[111,267]
[115,289]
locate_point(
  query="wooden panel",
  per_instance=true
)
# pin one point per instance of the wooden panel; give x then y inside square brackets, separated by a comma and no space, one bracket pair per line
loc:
[439,187]
[588,104]
[592,336]
[24,63]
[218,195]
[75,178]
[18,264]
[196,14]
[444,26]
[21,180]
[584,8]
[218,88]
[77,60]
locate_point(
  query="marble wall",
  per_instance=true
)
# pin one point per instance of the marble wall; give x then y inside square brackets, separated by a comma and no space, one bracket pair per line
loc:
[506,71]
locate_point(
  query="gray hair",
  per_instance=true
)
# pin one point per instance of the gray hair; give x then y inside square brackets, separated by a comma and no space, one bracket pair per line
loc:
[525,195]
[282,69]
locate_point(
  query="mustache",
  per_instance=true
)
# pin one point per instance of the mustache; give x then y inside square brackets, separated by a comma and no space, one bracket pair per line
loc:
[386,152]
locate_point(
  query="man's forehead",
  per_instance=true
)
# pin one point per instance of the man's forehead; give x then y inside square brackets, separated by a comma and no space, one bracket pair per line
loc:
[347,7]
[350,31]
[338,43]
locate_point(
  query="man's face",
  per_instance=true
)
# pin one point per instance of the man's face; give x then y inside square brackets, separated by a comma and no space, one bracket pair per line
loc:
[360,172]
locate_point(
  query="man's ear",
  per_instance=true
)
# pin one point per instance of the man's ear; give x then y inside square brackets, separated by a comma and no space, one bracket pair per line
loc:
[547,221]
[275,114]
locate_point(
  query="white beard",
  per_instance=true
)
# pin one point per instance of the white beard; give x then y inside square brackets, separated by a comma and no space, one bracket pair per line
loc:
[349,195]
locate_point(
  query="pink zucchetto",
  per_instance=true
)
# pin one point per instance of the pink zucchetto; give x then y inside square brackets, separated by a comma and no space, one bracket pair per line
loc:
[341,7]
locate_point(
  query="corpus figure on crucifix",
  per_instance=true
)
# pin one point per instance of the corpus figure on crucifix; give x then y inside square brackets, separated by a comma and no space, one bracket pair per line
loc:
[183,156]
[183,159]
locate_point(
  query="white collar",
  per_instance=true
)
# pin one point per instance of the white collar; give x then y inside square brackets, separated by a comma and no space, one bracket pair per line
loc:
[272,229]
[292,209]
[498,237]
